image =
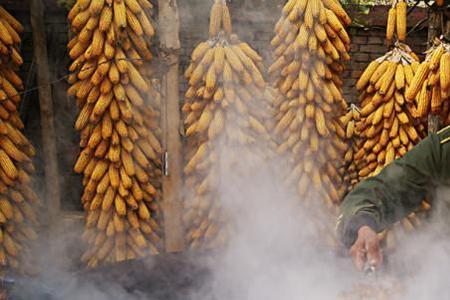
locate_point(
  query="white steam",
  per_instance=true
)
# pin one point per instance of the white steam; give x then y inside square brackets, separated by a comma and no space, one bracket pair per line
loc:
[276,251]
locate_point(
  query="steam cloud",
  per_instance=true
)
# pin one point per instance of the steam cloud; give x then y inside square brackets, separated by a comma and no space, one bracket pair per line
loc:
[276,252]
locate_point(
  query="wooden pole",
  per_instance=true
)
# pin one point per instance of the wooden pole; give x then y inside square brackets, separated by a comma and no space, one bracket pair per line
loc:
[447,25]
[52,187]
[169,27]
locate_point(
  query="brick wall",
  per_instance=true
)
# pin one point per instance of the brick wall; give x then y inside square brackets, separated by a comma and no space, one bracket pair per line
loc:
[253,21]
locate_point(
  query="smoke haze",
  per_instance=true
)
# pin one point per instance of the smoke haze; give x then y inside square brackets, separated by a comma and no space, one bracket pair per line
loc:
[277,252]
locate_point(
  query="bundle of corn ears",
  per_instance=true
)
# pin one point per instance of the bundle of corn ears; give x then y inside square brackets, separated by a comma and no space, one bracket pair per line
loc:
[226,120]
[396,21]
[430,88]
[119,126]
[310,47]
[18,219]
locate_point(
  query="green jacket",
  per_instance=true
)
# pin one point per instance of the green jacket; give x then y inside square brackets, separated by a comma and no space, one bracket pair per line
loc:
[399,189]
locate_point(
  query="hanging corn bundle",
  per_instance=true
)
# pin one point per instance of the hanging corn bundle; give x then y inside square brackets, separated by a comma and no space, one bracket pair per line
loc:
[396,21]
[310,46]
[430,88]
[224,117]
[388,127]
[118,122]
[18,218]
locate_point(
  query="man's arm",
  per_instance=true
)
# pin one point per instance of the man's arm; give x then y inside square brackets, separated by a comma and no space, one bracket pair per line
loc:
[399,189]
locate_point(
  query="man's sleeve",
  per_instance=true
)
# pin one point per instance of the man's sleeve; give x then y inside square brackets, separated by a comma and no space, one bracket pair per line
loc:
[396,191]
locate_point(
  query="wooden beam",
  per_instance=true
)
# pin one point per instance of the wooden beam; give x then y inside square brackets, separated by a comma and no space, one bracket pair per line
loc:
[52,187]
[169,27]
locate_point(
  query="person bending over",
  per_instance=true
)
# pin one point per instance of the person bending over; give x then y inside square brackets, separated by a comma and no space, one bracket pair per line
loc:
[379,201]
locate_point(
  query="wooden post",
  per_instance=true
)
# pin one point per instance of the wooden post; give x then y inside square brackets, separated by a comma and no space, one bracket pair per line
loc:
[169,27]
[434,26]
[52,187]
[447,25]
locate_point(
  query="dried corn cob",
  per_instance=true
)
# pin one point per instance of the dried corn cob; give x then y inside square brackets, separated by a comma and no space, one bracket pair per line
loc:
[18,217]
[225,117]
[119,126]
[391,23]
[402,7]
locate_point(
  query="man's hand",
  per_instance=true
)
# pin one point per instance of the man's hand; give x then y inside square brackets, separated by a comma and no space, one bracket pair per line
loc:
[366,249]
